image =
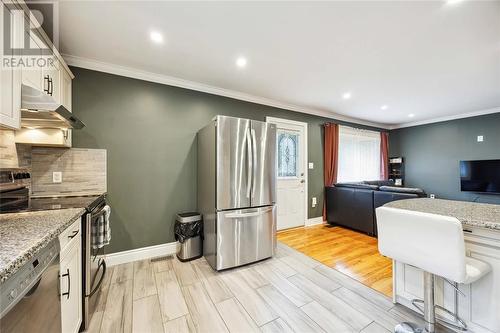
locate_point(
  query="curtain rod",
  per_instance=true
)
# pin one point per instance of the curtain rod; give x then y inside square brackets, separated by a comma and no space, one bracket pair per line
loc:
[355,127]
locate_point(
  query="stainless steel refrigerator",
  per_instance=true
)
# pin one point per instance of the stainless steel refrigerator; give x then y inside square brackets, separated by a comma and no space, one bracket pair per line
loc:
[237,190]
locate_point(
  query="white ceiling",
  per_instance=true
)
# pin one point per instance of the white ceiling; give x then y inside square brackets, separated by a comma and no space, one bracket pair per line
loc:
[428,58]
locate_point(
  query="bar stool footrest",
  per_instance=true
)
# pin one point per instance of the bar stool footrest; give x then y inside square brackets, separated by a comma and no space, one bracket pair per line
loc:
[461,323]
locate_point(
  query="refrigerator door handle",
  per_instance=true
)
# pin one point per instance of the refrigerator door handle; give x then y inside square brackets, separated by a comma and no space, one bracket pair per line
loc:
[250,163]
[254,150]
[243,215]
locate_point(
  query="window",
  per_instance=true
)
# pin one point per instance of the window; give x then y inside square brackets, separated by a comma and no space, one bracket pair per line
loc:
[287,153]
[359,155]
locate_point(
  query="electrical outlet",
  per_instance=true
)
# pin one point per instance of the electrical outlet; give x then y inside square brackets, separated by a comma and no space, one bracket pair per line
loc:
[311,165]
[432,196]
[480,138]
[314,202]
[57,177]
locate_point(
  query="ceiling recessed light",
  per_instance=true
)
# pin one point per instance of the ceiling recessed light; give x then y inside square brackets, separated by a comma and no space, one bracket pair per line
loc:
[346,95]
[384,107]
[241,62]
[156,37]
[411,115]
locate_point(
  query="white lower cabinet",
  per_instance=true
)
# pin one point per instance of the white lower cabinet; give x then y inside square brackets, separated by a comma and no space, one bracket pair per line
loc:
[481,304]
[478,304]
[71,280]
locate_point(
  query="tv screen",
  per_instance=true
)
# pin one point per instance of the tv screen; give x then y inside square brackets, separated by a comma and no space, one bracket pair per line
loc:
[480,176]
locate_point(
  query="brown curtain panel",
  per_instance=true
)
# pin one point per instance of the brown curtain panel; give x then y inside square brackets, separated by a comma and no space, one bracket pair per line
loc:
[384,155]
[331,156]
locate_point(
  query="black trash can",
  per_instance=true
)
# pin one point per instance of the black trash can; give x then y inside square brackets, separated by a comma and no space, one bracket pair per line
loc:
[189,235]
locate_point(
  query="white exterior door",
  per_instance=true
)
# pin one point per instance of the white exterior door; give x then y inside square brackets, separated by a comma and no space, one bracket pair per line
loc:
[291,162]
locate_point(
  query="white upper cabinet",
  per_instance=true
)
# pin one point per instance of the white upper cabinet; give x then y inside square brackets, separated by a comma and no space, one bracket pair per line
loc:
[45,78]
[10,77]
[65,88]
[50,75]
[32,76]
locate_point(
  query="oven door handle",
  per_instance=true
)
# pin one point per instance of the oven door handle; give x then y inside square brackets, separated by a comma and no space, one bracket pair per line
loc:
[103,265]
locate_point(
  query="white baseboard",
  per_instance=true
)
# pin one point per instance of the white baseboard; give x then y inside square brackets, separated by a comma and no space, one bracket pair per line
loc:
[314,221]
[142,253]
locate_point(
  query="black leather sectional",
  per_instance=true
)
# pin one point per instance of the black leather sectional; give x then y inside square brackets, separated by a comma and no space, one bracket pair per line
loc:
[352,205]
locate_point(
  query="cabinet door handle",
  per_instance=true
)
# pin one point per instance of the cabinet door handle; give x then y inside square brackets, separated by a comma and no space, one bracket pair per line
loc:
[46,78]
[75,232]
[69,283]
[51,86]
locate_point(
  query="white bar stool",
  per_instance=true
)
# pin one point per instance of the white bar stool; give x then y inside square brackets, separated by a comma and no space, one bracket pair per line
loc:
[433,243]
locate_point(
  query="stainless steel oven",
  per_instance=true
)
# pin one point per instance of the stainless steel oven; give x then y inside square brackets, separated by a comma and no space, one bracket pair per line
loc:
[94,264]
[15,197]
[30,298]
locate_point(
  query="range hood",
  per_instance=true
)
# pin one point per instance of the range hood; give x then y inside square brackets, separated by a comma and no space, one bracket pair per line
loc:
[39,110]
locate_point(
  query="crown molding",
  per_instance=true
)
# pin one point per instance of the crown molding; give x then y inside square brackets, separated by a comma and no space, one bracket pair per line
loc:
[186,84]
[191,85]
[447,118]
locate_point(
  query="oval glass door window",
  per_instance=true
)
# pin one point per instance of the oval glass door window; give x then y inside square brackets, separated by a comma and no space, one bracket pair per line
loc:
[287,154]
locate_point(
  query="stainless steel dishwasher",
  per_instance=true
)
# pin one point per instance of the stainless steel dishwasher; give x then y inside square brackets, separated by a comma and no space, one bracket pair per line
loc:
[30,298]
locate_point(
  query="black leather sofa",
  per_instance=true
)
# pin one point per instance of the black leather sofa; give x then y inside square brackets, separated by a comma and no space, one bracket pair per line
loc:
[352,205]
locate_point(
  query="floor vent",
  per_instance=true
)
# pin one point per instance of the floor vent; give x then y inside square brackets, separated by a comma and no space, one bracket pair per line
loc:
[169,257]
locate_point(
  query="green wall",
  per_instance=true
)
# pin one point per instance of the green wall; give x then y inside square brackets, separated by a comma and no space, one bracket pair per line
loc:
[149,131]
[432,153]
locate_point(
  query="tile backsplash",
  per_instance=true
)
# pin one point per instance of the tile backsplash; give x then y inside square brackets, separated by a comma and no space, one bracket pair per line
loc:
[24,155]
[8,154]
[83,171]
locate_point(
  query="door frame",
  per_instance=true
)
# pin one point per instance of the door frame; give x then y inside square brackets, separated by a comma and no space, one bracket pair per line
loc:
[276,121]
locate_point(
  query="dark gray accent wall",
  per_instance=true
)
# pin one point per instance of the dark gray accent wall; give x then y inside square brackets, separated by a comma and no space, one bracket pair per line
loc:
[149,131]
[432,153]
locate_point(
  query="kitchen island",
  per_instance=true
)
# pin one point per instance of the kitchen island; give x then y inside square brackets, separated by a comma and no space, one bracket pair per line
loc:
[477,303]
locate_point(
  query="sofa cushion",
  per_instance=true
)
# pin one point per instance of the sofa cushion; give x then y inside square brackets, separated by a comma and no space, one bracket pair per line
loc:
[411,190]
[358,185]
[379,182]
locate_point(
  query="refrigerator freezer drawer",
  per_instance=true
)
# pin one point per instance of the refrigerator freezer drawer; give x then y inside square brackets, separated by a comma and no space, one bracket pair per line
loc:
[245,236]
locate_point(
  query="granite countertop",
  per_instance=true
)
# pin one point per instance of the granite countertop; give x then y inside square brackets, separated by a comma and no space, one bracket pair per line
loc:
[469,213]
[22,235]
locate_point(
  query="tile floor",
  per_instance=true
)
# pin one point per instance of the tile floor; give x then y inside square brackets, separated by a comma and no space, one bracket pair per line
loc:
[288,293]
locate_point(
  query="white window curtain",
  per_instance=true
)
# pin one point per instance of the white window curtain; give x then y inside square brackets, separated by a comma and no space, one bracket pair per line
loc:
[359,155]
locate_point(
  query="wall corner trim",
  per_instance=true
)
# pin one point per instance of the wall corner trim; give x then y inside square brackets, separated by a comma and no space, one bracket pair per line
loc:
[142,253]
[196,86]
[314,221]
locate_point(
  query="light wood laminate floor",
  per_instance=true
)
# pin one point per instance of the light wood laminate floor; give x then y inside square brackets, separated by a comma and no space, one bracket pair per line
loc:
[350,252]
[288,293]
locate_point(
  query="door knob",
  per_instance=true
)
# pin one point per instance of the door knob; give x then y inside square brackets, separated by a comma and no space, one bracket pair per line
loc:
[302,181]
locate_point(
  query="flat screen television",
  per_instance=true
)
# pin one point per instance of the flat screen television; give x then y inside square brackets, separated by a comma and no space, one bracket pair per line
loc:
[482,176]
